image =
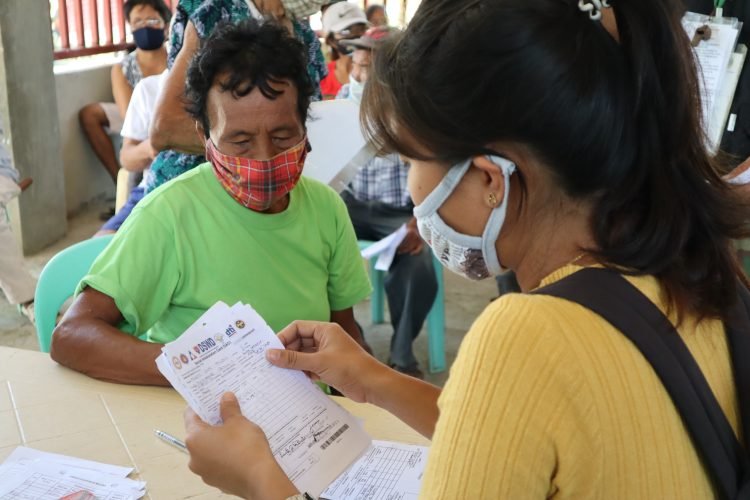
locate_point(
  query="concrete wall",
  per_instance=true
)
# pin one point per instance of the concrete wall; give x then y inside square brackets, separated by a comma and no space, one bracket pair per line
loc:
[28,105]
[39,104]
[76,85]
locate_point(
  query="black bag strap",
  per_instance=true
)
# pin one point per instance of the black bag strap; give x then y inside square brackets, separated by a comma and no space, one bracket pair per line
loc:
[738,333]
[612,297]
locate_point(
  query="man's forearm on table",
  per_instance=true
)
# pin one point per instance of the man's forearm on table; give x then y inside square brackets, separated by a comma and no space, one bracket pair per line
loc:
[101,351]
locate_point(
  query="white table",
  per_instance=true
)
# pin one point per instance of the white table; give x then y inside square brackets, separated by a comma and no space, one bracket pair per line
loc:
[51,408]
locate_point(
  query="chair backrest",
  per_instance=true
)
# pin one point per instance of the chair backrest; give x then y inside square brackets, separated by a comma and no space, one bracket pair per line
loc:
[58,281]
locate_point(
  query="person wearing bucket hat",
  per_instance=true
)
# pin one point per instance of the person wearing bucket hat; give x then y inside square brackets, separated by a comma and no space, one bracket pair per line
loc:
[379,203]
[341,21]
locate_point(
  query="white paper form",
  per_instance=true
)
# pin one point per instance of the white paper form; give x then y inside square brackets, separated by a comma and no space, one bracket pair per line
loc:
[721,119]
[312,438]
[387,471]
[385,249]
[741,179]
[25,456]
[339,149]
[712,57]
[43,480]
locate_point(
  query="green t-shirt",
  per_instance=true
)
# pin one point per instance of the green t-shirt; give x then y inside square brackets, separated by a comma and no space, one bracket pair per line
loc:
[189,244]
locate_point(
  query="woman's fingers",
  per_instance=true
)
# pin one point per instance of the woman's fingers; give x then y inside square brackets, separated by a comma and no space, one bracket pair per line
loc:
[305,334]
[229,406]
[294,360]
[193,422]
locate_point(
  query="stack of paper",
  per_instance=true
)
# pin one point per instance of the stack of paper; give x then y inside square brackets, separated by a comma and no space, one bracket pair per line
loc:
[713,60]
[385,249]
[29,474]
[312,438]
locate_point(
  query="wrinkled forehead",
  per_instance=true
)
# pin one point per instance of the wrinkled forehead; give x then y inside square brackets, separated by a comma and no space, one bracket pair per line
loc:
[257,110]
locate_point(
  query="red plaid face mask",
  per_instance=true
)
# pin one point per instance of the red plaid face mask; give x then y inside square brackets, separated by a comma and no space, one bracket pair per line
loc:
[256,184]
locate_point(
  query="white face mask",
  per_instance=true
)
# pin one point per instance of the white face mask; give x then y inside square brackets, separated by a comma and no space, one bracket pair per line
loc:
[474,257]
[356,89]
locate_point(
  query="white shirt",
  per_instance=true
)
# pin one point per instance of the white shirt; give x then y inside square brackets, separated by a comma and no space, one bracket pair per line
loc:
[140,113]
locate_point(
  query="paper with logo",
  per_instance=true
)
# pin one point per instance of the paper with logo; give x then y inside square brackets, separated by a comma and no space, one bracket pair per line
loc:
[312,438]
[389,471]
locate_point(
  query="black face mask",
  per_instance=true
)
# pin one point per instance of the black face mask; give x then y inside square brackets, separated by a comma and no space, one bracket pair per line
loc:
[149,38]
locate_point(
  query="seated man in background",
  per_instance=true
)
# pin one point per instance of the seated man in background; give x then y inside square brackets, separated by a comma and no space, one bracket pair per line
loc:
[137,154]
[148,20]
[243,227]
[379,203]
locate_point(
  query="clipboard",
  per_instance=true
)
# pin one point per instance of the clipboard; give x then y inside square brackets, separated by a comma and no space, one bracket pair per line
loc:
[718,68]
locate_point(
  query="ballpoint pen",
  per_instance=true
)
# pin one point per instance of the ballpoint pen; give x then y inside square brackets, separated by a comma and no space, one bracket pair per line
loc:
[168,438]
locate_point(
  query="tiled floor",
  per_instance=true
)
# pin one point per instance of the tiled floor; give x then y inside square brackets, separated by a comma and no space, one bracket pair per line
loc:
[464,301]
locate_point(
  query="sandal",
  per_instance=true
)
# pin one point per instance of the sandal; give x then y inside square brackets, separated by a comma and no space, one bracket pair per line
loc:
[27,310]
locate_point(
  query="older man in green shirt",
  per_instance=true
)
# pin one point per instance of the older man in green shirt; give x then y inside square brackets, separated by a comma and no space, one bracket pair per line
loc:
[242,227]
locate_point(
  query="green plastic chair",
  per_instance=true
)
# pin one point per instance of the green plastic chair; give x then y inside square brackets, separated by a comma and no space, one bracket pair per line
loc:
[58,281]
[435,318]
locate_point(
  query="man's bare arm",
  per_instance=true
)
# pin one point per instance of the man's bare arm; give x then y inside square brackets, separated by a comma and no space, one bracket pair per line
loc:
[88,341]
[136,156]
[172,127]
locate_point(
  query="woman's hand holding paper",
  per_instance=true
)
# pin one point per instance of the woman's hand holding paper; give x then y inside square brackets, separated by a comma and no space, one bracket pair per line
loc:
[235,456]
[327,353]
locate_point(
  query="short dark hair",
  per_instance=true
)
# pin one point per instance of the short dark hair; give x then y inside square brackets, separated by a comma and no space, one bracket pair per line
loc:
[252,55]
[617,123]
[372,9]
[158,5]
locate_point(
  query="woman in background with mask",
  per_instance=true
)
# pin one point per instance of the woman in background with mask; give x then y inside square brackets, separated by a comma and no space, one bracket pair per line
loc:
[148,21]
[551,137]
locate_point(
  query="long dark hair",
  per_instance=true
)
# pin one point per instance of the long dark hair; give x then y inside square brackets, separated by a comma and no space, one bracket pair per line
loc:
[616,122]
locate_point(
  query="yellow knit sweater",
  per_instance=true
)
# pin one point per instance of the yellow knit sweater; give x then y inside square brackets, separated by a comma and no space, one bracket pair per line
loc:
[547,400]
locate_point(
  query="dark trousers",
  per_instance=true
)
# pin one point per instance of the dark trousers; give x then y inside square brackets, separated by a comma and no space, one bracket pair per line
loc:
[410,285]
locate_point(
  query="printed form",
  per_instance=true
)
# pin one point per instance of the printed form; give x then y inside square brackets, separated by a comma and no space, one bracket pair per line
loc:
[712,56]
[29,474]
[387,471]
[312,438]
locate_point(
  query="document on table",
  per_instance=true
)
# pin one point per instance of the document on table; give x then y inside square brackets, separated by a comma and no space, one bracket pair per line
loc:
[387,471]
[385,249]
[312,438]
[29,474]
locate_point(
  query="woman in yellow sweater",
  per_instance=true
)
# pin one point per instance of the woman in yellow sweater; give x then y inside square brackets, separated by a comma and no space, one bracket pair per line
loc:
[545,136]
